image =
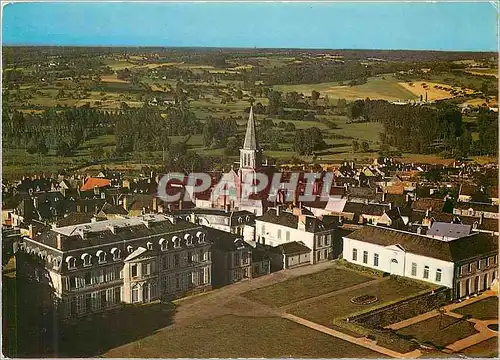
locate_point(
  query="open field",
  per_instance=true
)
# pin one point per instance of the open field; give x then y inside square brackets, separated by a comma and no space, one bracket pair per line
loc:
[112,78]
[482,310]
[380,87]
[240,337]
[388,290]
[433,90]
[440,331]
[483,71]
[307,286]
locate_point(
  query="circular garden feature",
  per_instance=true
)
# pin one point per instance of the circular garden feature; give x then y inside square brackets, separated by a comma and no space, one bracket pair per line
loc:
[364,299]
[493,327]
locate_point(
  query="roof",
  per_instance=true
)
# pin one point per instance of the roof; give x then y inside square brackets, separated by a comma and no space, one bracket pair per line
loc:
[427,204]
[92,183]
[477,206]
[288,219]
[108,208]
[452,251]
[468,190]
[75,218]
[449,230]
[251,135]
[99,233]
[368,209]
[225,241]
[294,247]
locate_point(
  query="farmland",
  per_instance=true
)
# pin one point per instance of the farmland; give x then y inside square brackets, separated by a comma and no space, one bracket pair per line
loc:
[222,87]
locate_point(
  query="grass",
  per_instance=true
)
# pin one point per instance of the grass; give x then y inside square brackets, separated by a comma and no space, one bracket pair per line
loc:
[242,337]
[379,87]
[484,349]
[440,332]
[306,286]
[482,310]
[324,311]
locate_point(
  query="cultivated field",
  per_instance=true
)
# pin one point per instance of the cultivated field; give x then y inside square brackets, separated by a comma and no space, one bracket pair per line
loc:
[434,91]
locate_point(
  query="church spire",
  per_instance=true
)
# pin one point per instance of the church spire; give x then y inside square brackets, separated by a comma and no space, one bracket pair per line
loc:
[251,136]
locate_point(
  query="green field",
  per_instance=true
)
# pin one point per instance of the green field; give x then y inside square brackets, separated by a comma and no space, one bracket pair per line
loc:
[440,331]
[388,290]
[380,87]
[307,286]
[482,310]
[242,337]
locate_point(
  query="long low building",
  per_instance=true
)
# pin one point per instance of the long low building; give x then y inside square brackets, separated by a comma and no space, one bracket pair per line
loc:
[468,264]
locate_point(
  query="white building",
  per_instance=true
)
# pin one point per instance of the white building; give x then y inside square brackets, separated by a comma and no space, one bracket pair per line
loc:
[277,227]
[427,259]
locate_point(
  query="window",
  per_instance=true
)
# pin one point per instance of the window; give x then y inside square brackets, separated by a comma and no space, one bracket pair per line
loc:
[200,236]
[133,270]
[287,236]
[413,269]
[101,256]
[118,294]
[163,244]
[488,260]
[88,278]
[149,245]
[375,259]
[135,294]
[438,275]
[176,259]
[496,259]
[205,255]
[130,249]
[328,240]
[71,262]
[190,257]
[189,239]
[279,234]
[478,265]
[355,254]
[146,268]
[245,258]
[116,253]
[365,257]
[263,229]
[236,259]
[86,260]
[177,242]
[177,282]
[426,272]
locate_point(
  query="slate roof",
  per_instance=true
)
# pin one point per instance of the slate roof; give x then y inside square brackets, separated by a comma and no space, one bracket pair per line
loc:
[450,230]
[368,209]
[427,203]
[99,233]
[477,207]
[251,135]
[452,251]
[290,220]
[222,240]
[293,248]
[75,218]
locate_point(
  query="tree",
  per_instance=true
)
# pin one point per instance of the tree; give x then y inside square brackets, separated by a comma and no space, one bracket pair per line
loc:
[308,140]
[97,153]
[315,95]
[355,145]
[233,145]
[63,149]
[365,146]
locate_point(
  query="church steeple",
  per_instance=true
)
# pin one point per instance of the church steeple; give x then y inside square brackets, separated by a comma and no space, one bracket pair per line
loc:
[250,136]
[250,155]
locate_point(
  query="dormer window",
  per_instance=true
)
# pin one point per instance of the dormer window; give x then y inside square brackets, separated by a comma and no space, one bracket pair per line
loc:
[189,239]
[101,256]
[163,244]
[116,253]
[177,242]
[87,259]
[71,261]
[149,245]
[200,236]
[130,249]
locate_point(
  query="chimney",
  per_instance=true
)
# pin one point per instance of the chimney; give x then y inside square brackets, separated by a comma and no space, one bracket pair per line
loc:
[155,204]
[30,231]
[180,204]
[301,226]
[277,210]
[481,219]
[59,242]
[383,196]
[93,219]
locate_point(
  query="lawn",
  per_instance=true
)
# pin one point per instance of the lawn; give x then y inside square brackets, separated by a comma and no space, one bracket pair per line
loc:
[440,332]
[307,286]
[485,349]
[389,290]
[482,310]
[241,337]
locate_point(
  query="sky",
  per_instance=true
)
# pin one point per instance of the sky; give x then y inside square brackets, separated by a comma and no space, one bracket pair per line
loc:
[468,26]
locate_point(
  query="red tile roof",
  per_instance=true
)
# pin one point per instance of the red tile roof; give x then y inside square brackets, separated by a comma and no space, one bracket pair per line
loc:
[92,183]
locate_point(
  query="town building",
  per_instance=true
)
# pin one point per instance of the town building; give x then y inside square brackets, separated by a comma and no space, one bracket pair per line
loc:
[467,265]
[99,265]
[277,227]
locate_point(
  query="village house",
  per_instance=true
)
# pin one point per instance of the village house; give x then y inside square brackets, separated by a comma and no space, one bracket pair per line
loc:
[277,227]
